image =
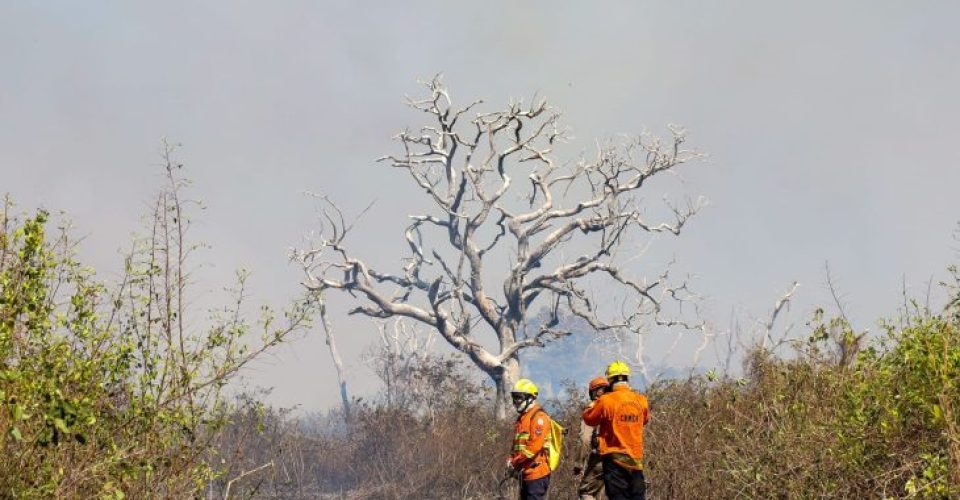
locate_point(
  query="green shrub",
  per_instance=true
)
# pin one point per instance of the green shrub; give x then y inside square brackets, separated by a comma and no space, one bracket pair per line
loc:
[105,391]
[881,425]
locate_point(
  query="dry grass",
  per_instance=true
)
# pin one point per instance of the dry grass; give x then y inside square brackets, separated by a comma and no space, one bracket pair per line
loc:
[805,427]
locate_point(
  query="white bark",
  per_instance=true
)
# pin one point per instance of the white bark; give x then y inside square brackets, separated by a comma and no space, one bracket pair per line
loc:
[337,361]
[474,167]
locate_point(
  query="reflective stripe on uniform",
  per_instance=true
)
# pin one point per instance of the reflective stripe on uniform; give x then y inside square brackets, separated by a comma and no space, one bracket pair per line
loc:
[627,460]
[523,449]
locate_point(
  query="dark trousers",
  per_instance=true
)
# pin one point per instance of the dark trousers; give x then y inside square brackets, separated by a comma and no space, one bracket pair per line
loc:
[622,483]
[535,489]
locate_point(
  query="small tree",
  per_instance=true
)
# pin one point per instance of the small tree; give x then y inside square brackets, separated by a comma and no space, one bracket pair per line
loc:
[505,211]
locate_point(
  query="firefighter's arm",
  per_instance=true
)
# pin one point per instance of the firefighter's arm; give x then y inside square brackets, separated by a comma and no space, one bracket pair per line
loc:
[591,415]
[519,456]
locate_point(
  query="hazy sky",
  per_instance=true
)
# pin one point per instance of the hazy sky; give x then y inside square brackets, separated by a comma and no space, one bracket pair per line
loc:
[831,129]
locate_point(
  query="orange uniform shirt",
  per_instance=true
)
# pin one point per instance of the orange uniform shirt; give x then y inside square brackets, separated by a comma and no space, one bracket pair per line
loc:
[620,416]
[529,451]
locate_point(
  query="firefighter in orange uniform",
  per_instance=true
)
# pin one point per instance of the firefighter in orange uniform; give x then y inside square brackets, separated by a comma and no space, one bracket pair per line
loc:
[530,454]
[590,485]
[620,416]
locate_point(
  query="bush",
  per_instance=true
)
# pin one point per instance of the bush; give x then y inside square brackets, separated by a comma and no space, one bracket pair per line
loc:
[823,423]
[442,442]
[105,390]
[814,426]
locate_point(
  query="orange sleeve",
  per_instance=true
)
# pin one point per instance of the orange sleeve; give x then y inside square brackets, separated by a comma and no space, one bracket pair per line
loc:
[519,440]
[593,412]
[518,458]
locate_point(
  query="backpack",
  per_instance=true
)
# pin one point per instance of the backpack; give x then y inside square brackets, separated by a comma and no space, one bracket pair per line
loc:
[554,443]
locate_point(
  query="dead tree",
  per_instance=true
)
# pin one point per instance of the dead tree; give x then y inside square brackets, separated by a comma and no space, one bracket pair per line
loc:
[506,217]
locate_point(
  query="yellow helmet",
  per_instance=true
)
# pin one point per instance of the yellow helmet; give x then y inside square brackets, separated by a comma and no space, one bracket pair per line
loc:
[525,386]
[618,368]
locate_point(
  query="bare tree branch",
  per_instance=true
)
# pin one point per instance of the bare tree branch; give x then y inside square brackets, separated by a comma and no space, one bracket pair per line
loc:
[777,307]
[498,189]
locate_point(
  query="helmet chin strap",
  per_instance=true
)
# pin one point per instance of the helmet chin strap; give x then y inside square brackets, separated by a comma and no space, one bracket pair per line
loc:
[523,407]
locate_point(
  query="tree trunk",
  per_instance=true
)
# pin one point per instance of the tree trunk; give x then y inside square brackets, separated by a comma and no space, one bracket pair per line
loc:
[504,377]
[337,362]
